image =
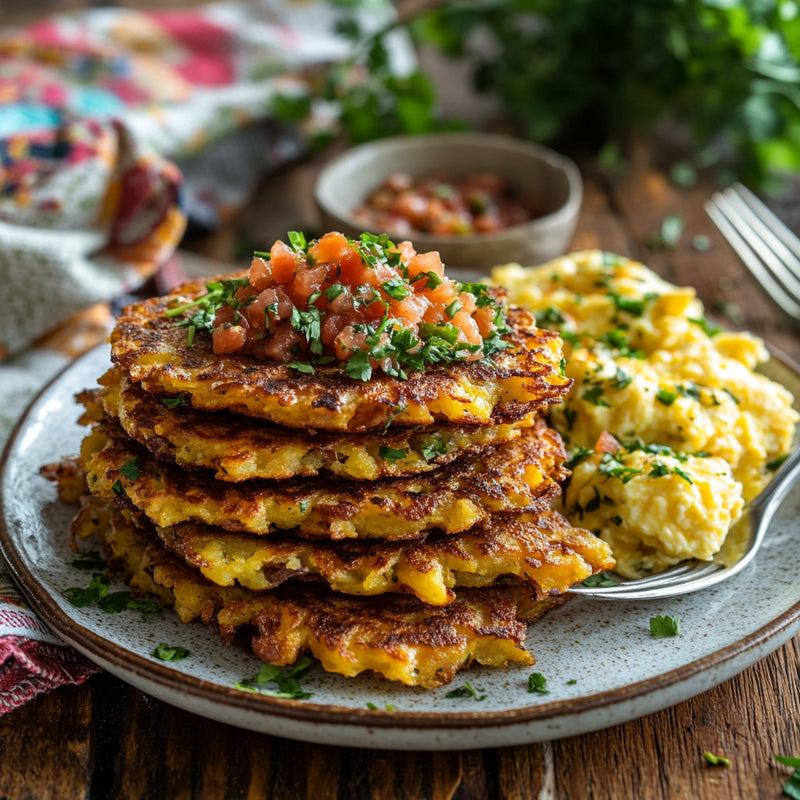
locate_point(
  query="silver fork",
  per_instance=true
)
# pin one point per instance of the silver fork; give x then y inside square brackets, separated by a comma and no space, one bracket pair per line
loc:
[737,552]
[766,246]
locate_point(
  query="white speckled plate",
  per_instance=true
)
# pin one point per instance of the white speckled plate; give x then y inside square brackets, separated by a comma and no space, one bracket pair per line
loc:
[601,664]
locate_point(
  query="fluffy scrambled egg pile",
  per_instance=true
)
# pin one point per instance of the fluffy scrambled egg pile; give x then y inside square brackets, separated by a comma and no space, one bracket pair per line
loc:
[695,432]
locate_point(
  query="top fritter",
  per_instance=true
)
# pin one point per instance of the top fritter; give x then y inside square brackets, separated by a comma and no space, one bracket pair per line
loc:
[343,335]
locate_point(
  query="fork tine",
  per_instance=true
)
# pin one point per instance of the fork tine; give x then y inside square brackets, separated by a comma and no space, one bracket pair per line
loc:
[760,230]
[662,585]
[775,225]
[719,209]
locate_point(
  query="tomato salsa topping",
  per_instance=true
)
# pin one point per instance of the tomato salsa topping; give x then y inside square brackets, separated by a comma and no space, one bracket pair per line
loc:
[482,202]
[361,304]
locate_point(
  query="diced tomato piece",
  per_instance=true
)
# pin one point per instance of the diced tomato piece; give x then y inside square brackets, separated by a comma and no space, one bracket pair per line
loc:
[467,302]
[484,319]
[468,328]
[225,315]
[411,309]
[330,248]
[347,342]
[256,312]
[307,281]
[406,250]
[426,262]
[606,443]
[284,262]
[228,339]
[278,345]
[261,274]
[332,326]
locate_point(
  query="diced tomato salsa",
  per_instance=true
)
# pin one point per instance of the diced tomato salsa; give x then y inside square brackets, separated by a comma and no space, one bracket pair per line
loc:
[482,202]
[363,304]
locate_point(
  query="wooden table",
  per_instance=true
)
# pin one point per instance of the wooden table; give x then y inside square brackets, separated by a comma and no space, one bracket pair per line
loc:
[106,739]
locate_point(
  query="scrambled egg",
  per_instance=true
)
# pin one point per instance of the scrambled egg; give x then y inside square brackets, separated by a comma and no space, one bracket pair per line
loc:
[698,432]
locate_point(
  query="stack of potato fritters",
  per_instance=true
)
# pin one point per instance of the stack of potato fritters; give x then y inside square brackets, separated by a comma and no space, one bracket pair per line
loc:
[397,526]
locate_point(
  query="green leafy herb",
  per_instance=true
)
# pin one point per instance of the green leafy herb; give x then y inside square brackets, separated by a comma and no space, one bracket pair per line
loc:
[453,309]
[792,787]
[571,415]
[776,463]
[631,305]
[716,761]
[298,241]
[611,465]
[572,682]
[279,682]
[309,324]
[594,395]
[204,308]
[621,379]
[89,560]
[666,397]
[118,489]
[387,707]
[537,683]
[467,690]
[130,469]
[174,402]
[302,366]
[705,326]
[578,455]
[166,652]
[434,448]
[664,626]
[391,454]
[549,316]
[98,593]
[599,580]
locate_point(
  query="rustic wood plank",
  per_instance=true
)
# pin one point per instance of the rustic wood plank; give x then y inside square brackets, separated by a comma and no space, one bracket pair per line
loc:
[46,747]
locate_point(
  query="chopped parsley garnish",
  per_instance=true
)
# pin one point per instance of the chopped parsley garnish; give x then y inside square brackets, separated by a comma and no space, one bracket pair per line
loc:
[611,465]
[599,580]
[792,787]
[387,707]
[570,414]
[631,305]
[166,652]
[397,289]
[89,560]
[549,316]
[218,294]
[391,454]
[666,397]
[776,463]
[705,326]
[537,683]
[174,402]
[580,454]
[433,449]
[467,690]
[453,309]
[664,626]
[97,593]
[309,324]
[118,489]
[301,366]
[716,761]
[130,469]
[279,682]
[571,681]
[598,500]
[594,395]
[621,379]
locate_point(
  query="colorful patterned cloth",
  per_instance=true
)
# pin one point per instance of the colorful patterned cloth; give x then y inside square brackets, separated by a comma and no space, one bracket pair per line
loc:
[114,125]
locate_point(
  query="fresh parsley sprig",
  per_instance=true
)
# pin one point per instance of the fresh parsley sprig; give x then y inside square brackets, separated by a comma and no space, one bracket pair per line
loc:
[285,680]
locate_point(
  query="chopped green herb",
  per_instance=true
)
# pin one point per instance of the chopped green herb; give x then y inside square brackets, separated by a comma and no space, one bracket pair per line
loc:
[664,626]
[174,402]
[611,465]
[286,681]
[303,506]
[621,379]
[118,489]
[578,455]
[387,707]
[300,366]
[396,412]
[594,395]
[467,690]
[309,324]
[130,469]
[298,241]
[681,474]
[600,579]
[97,593]
[570,414]
[218,294]
[572,682]
[659,470]
[549,316]
[666,397]
[716,761]
[391,454]
[792,787]
[776,463]
[537,683]
[89,560]
[631,305]
[397,289]
[166,652]
[705,326]
[433,449]
[333,291]
[453,309]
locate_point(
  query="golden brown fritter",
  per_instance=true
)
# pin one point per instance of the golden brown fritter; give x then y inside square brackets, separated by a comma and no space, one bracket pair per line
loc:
[241,448]
[541,549]
[504,388]
[395,636]
[521,475]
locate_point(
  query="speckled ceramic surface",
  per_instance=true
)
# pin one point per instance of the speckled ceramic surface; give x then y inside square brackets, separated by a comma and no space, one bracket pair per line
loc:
[601,664]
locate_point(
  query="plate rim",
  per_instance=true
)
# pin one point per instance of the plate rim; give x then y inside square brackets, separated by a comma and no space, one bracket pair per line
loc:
[95,646]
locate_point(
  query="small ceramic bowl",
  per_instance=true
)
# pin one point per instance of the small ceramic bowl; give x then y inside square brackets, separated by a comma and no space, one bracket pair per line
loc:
[551,180]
